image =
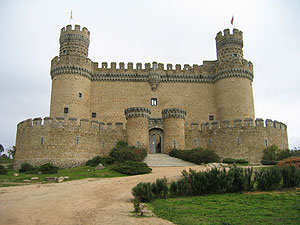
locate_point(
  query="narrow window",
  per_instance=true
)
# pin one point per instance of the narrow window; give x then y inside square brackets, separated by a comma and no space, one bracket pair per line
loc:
[209,142]
[42,140]
[77,140]
[211,117]
[138,144]
[80,95]
[94,115]
[175,145]
[195,140]
[102,144]
[153,101]
[66,110]
[238,141]
[266,142]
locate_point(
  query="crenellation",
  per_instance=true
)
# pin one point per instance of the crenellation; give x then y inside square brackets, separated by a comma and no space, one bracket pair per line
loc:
[269,123]
[170,97]
[215,125]
[248,122]
[237,122]
[37,122]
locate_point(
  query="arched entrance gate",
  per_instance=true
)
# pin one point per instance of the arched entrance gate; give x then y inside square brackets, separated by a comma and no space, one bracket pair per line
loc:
[156,140]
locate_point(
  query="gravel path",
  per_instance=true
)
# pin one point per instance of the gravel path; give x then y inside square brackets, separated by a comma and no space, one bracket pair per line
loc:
[88,201]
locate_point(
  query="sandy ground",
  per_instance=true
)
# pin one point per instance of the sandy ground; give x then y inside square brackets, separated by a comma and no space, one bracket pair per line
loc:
[88,201]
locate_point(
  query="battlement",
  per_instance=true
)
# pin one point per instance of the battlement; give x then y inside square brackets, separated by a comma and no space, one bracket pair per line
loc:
[77,30]
[226,34]
[137,112]
[238,123]
[69,123]
[173,113]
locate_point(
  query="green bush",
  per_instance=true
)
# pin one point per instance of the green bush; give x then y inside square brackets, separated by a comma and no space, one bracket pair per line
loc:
[273,154]
[94,161]
[122,153]
[3,170]
[236,161]
[290,176]
[48,168]
[28,168]
[108,160]
[160,188]
[268,179]
[196,155]
[132,168]
[143,192]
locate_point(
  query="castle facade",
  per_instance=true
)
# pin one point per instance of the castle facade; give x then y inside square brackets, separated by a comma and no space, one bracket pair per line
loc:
[153,106]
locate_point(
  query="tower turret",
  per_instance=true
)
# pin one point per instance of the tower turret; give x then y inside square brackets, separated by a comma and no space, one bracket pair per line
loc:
[229,46]
[74,42]
[233,78]
[71,75]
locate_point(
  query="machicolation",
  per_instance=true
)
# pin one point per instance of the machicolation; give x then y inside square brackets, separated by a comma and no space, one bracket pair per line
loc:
[155,106]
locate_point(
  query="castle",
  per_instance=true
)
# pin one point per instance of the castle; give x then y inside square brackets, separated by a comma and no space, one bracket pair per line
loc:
[153,106]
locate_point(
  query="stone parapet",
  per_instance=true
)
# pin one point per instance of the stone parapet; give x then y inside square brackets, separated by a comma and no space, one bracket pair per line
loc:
[173,113]
[137,112]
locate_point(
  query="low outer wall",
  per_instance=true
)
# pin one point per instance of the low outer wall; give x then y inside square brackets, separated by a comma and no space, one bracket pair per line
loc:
[64,143]
[238,139]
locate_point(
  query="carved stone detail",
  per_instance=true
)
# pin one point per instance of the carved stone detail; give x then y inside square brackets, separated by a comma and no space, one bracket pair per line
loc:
[137,112]
[173,113]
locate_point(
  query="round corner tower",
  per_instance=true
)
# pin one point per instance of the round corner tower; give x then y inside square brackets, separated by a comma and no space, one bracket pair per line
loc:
[71,75]
[174,135]
[137,127]
[233,78]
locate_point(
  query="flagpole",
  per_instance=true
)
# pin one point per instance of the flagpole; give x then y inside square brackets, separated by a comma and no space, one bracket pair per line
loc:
[71,17]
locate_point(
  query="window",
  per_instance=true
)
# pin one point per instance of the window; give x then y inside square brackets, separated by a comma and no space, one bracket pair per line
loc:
[195,140]
[66,110]
[238,141]
[234,55]
[65,52]
[94,115]
[153,101]
[77,140]
[80,95]
[209,142]
[211,117]
[102,143]
[175,144]
[42,140]
[266,142]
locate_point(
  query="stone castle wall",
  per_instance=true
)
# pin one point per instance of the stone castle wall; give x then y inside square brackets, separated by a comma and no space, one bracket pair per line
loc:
[239,138]
[64,142]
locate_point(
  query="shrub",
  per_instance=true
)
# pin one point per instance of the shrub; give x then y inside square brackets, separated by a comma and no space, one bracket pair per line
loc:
[27,168]
[236,161]
[143,192]
[290,176]
[122,153]
[283,154]
[48,168]
[268,179]
[160,188]
[132,168]
[108,160]
[197,155]
[269,155]
[295,161]
[3,170]
[94,161]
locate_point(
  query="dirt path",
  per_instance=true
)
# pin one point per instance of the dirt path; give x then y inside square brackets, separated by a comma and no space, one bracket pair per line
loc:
[88,201]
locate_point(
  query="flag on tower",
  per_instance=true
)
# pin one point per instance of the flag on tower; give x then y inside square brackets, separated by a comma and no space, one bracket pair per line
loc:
[71,16]
[232,19]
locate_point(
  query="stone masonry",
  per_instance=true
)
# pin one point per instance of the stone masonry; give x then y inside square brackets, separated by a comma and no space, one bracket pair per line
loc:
[153,106]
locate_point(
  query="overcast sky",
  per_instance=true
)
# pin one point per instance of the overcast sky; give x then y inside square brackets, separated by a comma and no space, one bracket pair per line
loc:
[145,31]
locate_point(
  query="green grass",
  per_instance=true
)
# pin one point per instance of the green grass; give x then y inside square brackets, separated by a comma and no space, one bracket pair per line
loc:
[265,208]
[75,173]
[4,160]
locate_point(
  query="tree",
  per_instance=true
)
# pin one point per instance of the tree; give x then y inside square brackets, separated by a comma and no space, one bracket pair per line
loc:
[11,151]
[1,149]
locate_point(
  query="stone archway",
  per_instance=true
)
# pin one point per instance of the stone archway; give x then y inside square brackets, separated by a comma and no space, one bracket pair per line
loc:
[156,141]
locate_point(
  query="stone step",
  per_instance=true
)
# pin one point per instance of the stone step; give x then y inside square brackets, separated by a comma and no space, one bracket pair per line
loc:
[155,160]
